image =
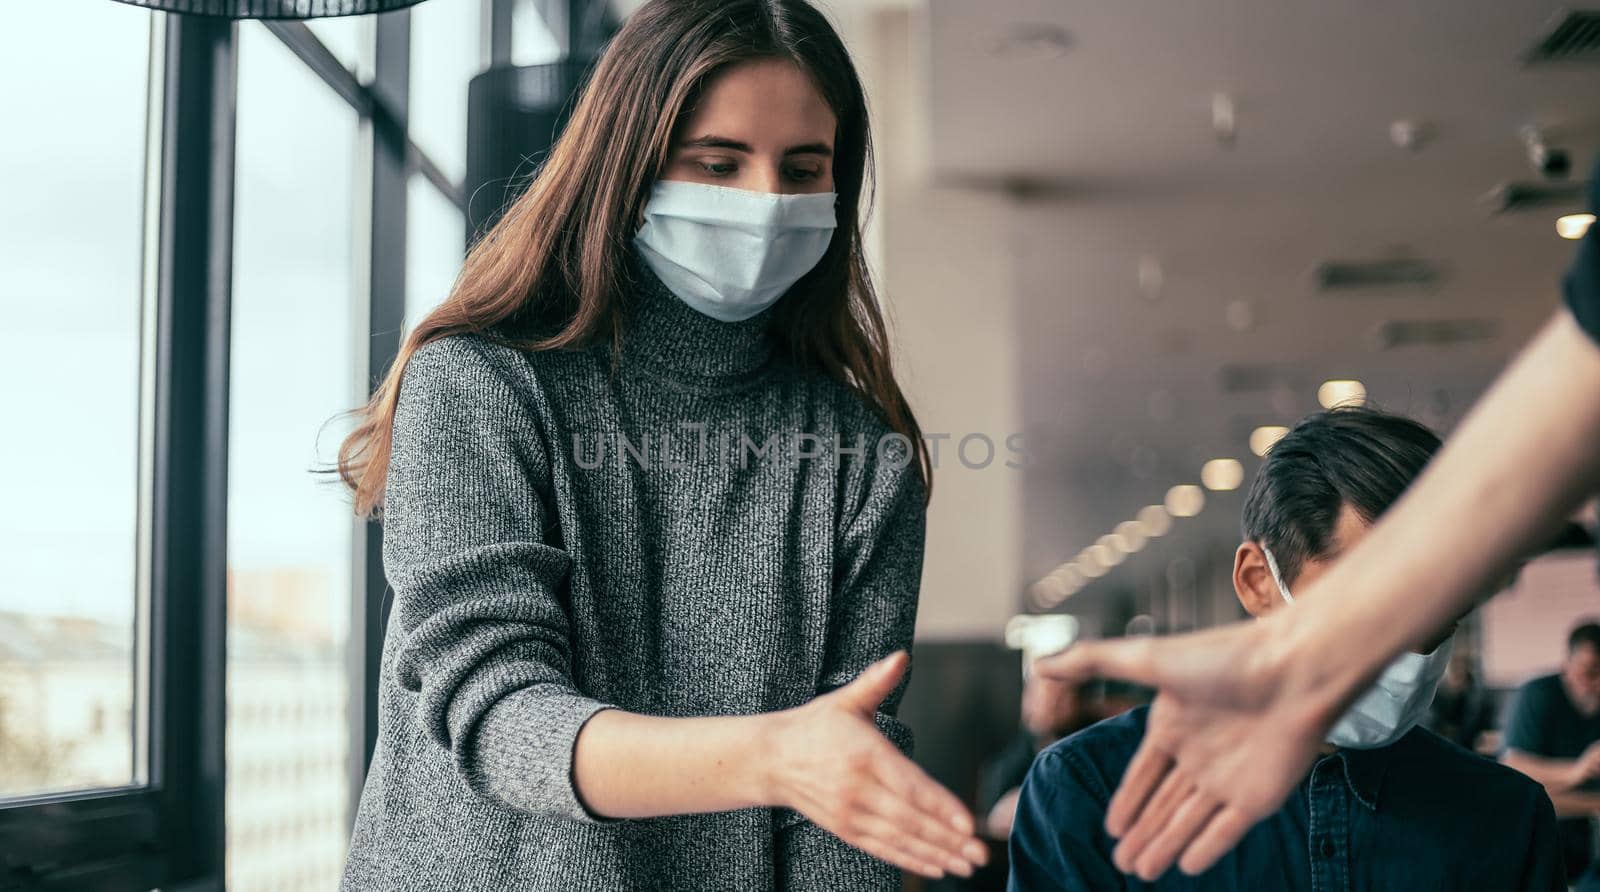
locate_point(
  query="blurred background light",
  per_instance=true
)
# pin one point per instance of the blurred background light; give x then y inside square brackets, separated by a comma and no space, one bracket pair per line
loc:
[1132,534]
[1069,574]
[1108,556]
[1185,500]
[1222,474]
[1341,392]
[1040,636]
[1047,593]
[1574,226]
[1155,520]
[1263,438]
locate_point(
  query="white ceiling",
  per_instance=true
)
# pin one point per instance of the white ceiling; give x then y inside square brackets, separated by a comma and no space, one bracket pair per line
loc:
[1112,144]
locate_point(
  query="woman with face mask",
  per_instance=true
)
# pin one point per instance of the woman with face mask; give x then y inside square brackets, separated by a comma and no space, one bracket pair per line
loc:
[653,504]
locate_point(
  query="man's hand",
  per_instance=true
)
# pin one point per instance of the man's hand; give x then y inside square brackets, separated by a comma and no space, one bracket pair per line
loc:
[1236,725]
[1586,767]
[998,823]
[833,766]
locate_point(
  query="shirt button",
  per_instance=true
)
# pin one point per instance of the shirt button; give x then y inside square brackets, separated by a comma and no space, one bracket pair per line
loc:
[1327,848]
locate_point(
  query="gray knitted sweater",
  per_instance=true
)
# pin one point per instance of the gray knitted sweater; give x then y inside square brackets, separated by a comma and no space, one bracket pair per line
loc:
[562,536]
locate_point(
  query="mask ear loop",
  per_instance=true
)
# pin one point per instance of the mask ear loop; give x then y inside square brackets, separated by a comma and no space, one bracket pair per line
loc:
[1277,575]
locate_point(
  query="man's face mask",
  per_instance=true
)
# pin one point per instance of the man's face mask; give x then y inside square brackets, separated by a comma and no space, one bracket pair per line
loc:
[1397,701]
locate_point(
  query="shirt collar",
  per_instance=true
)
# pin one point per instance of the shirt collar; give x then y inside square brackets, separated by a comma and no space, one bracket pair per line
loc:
[1364,770]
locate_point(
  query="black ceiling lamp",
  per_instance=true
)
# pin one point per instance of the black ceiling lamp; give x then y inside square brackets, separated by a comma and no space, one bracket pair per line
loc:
[515,113]
[273,9]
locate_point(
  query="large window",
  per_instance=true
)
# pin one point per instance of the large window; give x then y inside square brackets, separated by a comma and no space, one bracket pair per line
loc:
[435,245]
[149,402]
[289,529]
[446,51]
[70,244]
[349,38]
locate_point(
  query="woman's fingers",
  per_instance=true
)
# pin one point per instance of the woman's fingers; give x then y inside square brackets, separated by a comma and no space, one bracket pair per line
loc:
[1186,822]
[851,817]
[924,793]
[1174,790]
[888,826]
[917,804]
[882,803]
[883,851]
[1149,766]
[853,782]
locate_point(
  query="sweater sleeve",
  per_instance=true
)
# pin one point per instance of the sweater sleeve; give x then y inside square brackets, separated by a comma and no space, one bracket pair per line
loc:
[478,585]
[877,578]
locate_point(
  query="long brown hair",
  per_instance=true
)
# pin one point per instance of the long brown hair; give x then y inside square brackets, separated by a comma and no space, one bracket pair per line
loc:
[552,270]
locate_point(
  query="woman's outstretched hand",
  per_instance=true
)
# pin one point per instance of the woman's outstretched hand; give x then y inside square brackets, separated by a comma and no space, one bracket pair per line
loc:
[835,767]
[1235,725]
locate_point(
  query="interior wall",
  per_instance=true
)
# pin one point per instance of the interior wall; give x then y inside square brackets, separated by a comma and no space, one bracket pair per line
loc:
[1525,629]
[943,266]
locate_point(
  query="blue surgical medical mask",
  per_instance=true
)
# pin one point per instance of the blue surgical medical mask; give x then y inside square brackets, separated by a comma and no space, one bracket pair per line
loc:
[1397,702]
[731,253]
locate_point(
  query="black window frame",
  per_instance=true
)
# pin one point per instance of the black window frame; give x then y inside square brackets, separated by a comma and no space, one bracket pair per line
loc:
[170,832]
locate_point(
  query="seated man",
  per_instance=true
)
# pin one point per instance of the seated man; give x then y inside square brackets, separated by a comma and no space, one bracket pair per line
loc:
[1553,736]
[1389,805]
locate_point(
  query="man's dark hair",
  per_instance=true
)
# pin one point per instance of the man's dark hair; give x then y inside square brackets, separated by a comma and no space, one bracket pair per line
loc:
[1584,633]
[1350,455]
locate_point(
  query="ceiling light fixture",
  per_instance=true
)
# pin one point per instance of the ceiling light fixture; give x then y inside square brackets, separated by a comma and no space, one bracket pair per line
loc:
[1341,392]
[1151,276]
[1263,438]
[1106,555]
[1155,520]
[1574,226]
[1185,500]
[1240,316]
[1222,474]
[1033,40]
[1070,574]
[1132,534]
[1224,121]
[1047,593]
[1038,636]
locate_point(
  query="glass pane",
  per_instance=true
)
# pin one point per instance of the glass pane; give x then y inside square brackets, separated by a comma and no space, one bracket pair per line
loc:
[532,41]
[70,221]
[435,243]
[289,530]
[444,57]
[347,37]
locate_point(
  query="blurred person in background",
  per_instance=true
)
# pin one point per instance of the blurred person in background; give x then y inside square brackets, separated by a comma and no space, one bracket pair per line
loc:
[1051,710]
[1552,735]
[1241,711]
[1463,709]
[680,670]
[1387,805]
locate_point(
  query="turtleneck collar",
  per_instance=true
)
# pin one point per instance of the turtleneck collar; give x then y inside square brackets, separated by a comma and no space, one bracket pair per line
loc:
[677,342]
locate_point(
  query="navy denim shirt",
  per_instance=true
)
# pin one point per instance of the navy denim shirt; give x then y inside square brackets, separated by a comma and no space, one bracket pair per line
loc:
[1419,814]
